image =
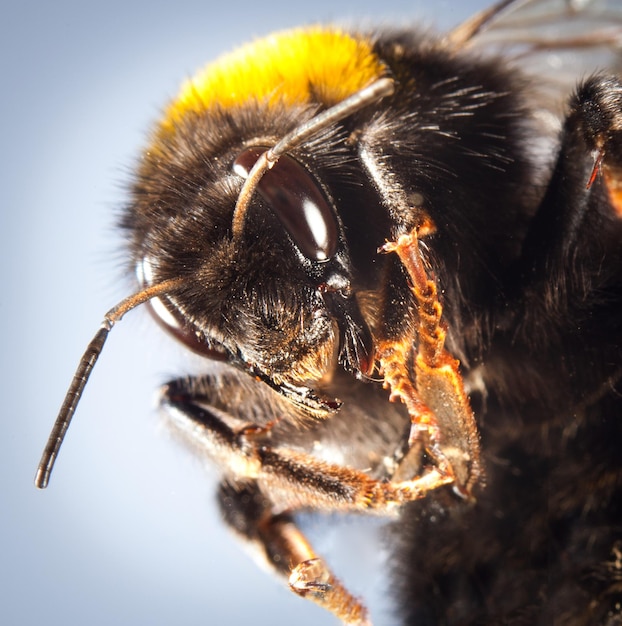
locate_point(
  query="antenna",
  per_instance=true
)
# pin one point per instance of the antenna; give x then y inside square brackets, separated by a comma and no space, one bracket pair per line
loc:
[83,371]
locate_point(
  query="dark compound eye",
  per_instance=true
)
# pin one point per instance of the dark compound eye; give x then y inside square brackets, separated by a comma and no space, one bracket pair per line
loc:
[298,202]
[174,322]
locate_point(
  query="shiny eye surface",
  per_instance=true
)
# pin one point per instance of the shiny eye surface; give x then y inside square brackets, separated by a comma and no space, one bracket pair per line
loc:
[298,202]
[175,323]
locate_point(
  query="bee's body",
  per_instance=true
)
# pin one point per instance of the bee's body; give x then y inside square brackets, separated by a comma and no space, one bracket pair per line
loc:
[460,143]
[498,220]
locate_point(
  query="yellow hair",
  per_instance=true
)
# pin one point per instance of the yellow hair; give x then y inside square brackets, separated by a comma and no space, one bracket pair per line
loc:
[291,67]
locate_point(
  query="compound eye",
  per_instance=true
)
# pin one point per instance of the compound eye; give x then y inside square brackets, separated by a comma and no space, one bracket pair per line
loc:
[298,202]
[173,320]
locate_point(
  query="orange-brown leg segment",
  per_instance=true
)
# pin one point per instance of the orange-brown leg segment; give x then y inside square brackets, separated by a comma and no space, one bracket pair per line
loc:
[286,550]
[280,542]
[434,394]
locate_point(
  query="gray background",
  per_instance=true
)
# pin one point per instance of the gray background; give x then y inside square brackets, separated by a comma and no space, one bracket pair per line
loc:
[127,533]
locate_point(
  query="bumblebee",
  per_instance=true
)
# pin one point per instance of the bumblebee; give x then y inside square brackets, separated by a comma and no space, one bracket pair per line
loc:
[399,255]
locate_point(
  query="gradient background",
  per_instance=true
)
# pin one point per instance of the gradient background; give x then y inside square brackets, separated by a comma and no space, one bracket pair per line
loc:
[128,532]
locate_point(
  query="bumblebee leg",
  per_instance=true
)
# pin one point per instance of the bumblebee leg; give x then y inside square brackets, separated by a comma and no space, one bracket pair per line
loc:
[286,550]
[440,411]
[585,190]
[294,480]
[598,105]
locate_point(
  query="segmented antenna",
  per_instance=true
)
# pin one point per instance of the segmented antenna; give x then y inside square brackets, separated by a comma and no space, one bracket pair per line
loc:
[80,378]
[462,34]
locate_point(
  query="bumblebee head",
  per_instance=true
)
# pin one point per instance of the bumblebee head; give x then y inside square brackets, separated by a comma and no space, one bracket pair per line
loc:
[268,274]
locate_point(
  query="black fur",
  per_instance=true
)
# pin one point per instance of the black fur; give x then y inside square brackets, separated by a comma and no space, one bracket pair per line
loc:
[529,264]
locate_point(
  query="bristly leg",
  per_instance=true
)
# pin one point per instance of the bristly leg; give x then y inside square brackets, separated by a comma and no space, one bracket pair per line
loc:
[440,411]
[265,484]
[286,551]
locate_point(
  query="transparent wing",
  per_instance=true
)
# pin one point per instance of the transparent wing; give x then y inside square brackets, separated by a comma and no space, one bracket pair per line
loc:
[556,41]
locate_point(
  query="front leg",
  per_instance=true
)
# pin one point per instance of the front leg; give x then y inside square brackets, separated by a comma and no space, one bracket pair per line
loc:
[281,481]
[432,388]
